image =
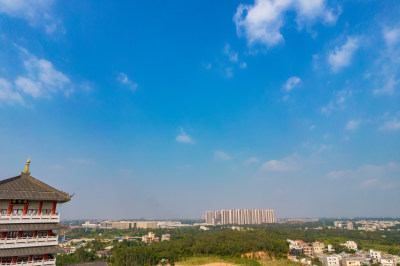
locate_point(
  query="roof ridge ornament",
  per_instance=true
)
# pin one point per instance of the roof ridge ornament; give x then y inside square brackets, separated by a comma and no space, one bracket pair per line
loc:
[28,162]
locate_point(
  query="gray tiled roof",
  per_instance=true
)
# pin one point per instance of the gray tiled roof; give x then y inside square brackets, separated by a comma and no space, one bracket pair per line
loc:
[26,187]
[30,227]
[30,251]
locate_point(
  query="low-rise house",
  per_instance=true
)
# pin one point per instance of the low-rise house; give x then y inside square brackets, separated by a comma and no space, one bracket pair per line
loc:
[351,262]
[296,251]
[103,253]
[375,254]
[307,250]
[331,260]
[166,237]
[150,238]
[350,245]
[318,247]
[387,261]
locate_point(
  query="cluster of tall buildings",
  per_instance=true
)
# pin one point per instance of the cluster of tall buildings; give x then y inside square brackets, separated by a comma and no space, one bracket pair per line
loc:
[243,216]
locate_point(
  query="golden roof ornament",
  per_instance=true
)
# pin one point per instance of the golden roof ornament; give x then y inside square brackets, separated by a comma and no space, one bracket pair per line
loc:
[28,162]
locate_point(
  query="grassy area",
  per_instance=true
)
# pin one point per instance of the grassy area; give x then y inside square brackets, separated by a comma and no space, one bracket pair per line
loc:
[233,261]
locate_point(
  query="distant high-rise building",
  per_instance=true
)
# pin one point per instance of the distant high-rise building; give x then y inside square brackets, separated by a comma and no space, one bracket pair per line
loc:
[244,216]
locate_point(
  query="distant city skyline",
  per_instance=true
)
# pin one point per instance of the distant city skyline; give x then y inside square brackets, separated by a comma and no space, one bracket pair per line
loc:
[168,109]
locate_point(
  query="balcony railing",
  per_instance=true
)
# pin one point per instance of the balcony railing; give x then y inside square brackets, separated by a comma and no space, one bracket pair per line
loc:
[50,262]
[29,218]
[28,242]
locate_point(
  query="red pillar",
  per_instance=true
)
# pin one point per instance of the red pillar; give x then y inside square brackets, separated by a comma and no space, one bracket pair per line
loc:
[49,233]
[25,210]
[40,207]
[35,234]
[45,257]
[30,257]
[10,207]
[14,259]
[53,211]
[19,234]
[3,235]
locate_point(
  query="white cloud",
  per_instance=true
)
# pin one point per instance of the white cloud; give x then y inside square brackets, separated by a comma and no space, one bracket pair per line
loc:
[290,163]
[124,79]
[391,36]
[208,66]
[366,175]
[275,165]
[291,83]
[232,55]
[251,160]
[229,72]
[183,137]
[8,94]
[222,156]
[243,65]
[261,22]
[393,124]
[341,57]
[338,102]
[389,86]
[369,182]
[42,78]
[352,125]
[36,12]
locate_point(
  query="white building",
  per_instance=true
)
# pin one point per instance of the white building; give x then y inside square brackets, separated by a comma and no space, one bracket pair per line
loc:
[375,254]
[166,237]
[350,245]
[243,216]
[387,261]
[351,262]
[331,260]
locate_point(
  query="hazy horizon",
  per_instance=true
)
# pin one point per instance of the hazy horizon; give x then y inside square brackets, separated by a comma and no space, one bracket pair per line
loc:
[169,109]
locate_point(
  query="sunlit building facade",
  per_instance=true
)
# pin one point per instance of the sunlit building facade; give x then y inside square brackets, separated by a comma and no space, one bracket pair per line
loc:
[243,216]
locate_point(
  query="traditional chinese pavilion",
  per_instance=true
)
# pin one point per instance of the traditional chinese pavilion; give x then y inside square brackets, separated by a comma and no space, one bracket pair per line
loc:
[28,220]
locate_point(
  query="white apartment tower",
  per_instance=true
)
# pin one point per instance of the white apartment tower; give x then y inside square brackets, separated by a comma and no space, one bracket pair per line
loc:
[243,216]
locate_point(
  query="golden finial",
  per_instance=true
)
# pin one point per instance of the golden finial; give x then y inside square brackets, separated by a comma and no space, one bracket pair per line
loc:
[28,162]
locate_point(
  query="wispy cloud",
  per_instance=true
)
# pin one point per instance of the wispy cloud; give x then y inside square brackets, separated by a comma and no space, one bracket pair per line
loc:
[352,125]
[184,137]
[261,22]
[391,36]
[232,55]
[290,163]
[291,83]
[388,87]
[36,12]
[338,101]
[341,56]
[41,79]
[392,123]
[8,94]
[221,156]
[366,175]
[251,160]
[124,79]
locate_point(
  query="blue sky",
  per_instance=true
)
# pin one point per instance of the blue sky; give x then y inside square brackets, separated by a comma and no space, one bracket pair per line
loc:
[166,109]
